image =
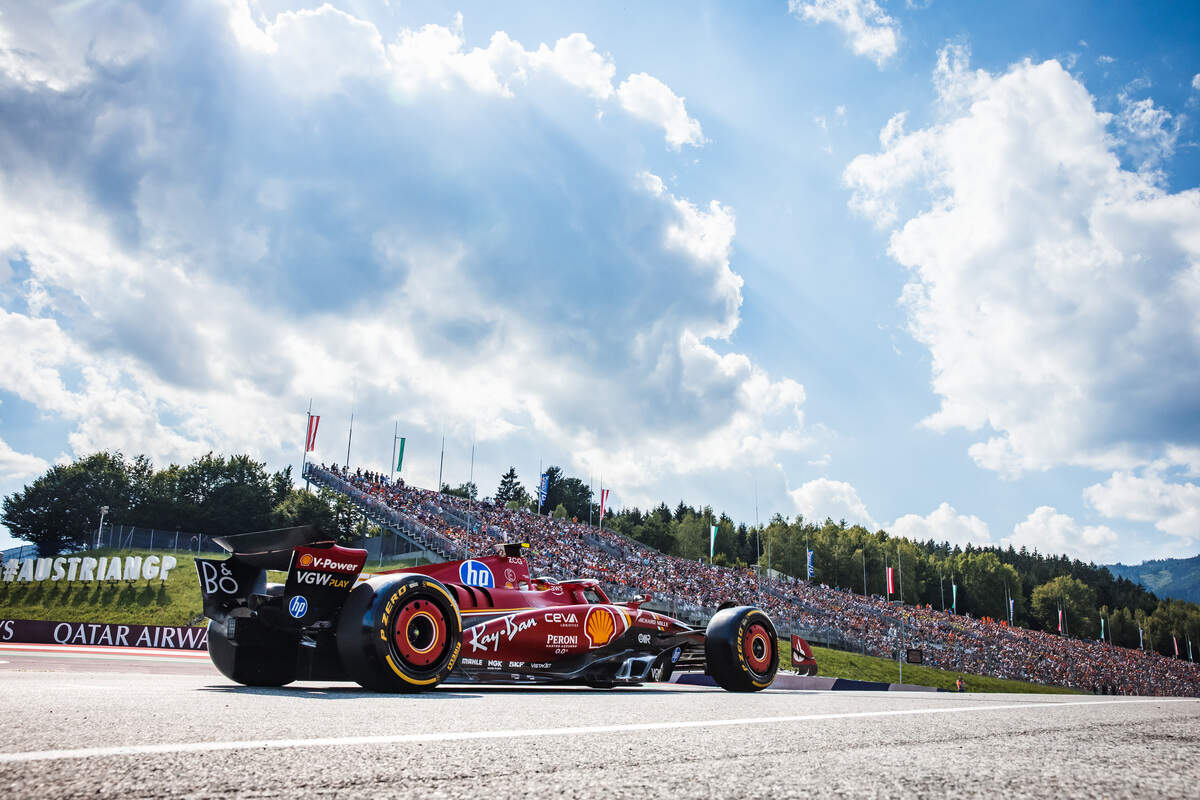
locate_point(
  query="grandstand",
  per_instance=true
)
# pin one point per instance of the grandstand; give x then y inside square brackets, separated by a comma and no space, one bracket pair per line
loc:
[451,527]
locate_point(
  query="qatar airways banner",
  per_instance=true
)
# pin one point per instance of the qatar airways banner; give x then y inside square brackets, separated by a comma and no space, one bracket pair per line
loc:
[36,631]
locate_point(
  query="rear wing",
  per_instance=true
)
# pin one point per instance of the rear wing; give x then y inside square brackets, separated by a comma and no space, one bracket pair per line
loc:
[320,575]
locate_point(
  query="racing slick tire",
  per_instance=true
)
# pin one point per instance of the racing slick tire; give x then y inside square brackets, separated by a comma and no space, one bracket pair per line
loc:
[399,634]
[260,657]
[741,649]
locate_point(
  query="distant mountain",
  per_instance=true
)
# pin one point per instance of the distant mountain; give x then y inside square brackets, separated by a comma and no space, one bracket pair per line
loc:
[1172,577]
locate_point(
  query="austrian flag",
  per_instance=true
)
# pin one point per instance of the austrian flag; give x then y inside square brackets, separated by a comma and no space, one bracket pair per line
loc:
[603,501]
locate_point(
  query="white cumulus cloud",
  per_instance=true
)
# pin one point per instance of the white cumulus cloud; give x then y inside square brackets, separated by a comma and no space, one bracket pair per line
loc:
[821,498]
[648,98]
[409,229]
[869,30]
[1174,508]
[1052,533]
[19,466]
[943,524]
[1058,293]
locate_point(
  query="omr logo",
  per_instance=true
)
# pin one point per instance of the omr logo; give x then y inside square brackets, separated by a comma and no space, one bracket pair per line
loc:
[476,573]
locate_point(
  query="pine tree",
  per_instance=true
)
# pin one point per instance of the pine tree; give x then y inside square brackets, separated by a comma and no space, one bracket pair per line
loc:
[509,489]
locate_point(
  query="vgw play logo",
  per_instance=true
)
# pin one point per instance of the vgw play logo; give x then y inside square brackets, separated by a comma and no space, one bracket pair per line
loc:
[476,573]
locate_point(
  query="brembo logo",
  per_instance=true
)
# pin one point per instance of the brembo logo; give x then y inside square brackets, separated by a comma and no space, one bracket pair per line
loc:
[326,564]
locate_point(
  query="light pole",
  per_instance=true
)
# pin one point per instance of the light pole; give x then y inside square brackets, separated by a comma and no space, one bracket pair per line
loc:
[100,528]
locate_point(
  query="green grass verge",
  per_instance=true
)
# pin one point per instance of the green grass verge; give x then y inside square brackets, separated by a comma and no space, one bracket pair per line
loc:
[840,664]
[175,601]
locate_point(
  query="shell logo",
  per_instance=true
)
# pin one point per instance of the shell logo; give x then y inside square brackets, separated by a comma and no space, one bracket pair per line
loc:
[600,625]
[305,560]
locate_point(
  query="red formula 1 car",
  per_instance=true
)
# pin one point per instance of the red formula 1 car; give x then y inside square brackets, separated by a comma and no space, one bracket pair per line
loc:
[481,620]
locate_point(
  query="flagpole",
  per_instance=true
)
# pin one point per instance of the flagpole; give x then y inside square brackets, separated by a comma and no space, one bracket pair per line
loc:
[349,438]
[864,567]
[304,458]
[757,554]
[395,436]
[900,574]
[441,463]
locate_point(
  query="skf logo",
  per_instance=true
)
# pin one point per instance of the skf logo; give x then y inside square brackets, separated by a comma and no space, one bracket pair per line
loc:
[599,625]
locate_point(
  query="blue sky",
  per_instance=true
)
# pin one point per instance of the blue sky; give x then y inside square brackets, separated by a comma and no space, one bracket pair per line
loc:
[918,265]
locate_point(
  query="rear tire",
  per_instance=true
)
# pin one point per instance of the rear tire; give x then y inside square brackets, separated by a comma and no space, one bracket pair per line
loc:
[399,634]
[261,656]
[741,649]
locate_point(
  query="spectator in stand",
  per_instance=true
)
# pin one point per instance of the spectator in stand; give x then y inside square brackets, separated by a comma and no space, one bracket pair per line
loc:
[566,548]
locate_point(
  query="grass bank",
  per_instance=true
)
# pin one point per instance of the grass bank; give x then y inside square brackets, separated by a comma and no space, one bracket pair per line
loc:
[840,664]
[175,601]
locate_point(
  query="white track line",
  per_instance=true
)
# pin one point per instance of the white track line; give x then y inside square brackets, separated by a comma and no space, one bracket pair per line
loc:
[460,736]
[76,649]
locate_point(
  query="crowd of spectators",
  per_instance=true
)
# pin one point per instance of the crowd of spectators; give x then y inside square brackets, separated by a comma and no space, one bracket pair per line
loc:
[693,589]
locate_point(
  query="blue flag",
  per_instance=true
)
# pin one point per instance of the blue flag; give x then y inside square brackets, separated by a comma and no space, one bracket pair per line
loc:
[543,488]
[811,571]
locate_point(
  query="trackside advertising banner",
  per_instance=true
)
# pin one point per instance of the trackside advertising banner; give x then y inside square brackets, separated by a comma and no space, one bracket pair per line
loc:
[36,631]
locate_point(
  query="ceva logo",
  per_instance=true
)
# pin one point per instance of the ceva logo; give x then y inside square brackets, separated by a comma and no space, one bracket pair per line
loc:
[476,573]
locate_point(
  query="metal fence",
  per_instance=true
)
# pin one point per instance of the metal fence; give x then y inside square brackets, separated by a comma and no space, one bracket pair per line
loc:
[131,537]
[18,553]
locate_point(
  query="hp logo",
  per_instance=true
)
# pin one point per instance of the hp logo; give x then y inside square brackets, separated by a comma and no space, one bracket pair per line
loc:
[297,606]
[476,573]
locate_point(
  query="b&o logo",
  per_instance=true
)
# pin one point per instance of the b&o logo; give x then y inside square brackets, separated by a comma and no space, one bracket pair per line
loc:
[476,573]
[216,578]
[298,606]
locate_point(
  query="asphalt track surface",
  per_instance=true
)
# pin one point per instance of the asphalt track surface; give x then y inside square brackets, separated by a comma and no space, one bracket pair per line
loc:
[99,725]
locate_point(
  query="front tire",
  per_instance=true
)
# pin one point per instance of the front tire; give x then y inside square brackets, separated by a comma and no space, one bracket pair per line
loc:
[399,634]
[741,649]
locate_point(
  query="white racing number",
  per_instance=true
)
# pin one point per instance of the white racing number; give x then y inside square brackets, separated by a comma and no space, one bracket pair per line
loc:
[216,578]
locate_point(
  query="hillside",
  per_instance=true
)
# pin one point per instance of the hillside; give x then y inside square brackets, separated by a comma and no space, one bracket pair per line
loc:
[1178,578]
